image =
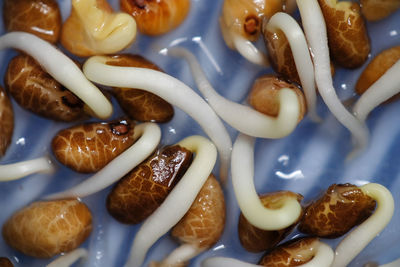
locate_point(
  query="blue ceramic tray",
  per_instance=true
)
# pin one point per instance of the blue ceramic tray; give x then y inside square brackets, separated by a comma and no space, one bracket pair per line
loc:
[307,161]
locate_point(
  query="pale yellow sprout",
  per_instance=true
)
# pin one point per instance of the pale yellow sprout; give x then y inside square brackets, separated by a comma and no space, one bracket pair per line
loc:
[170,89]
[244,118]
[182,254]
[69,258]
[359,238]
[242,168]
[316,34]
[93,28]
[15,171]
[61,68]
[381,90]
[302,58]
[178,201]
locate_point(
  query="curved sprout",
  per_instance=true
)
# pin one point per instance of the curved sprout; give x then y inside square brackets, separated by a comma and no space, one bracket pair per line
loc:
[61,68]
[178,201]
[243,46]
[385,87]
[323,257]
[150,135]
[249,51]
[70,258]
[315,30]
[302,58]
[15,171]
[168,88]
[359,238]
[184,253]
[242,168]
[243,118]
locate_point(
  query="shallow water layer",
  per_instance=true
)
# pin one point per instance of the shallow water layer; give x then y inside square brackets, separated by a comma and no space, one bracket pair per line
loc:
[307,161]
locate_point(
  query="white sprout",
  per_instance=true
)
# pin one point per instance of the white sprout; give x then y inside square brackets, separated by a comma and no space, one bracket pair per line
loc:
[243,46]
[69,258]
[323,257]
[385,87]
[242,169]
[179,200]
[315,30]
[150,135]
[182,254]
[249,51]
[359,238]
[61,68]
[15,171]
[244,118]
[302,58]
[170,89]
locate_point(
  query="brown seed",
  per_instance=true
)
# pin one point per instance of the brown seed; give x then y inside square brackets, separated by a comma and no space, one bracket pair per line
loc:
[89,147]
[46,228]
[264,95]
[162,264]
[139,104]
[244,17]
[39,17]
[342,207]
[35,90]
[156,17]
[292,253]
[280,55]
[376,68]
[5,262]
[347,34]
[374,10]
[254,239]
[203,224]
[142,190]
[6,120]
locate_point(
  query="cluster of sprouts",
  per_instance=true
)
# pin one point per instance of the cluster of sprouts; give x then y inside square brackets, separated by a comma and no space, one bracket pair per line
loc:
[241,117]
[313,73]
[167,87]
[61,68]
[349,247]
[315,31]
[93,29]
[65,71]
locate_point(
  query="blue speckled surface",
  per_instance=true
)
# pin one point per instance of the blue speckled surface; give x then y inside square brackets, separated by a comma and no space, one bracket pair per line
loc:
[307,161]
